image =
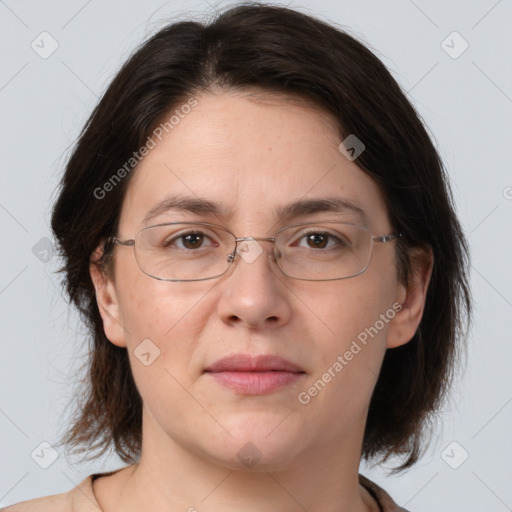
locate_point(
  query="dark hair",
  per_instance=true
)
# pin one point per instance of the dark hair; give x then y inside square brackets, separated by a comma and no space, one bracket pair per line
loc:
[274,50]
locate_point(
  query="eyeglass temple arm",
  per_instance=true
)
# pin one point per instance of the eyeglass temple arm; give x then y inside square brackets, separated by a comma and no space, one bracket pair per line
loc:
[387,238]
[113,240]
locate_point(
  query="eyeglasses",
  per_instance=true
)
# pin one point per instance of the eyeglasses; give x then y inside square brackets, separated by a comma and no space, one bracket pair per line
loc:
[196,251]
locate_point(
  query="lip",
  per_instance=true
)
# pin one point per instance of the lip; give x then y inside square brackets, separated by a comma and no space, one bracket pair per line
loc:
[254,375]
[248,363]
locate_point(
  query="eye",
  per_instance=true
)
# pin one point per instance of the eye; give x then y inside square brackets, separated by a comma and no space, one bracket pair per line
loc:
[316,239]
[191,240]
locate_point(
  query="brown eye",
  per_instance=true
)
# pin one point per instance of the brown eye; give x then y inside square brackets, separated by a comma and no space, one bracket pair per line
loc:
[193,240]
[317,240]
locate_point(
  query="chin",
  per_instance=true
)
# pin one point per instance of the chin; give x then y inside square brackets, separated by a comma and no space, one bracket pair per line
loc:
[262,442]
[256,457]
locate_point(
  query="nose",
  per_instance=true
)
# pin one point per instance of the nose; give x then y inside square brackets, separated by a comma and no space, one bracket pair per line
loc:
[253,292]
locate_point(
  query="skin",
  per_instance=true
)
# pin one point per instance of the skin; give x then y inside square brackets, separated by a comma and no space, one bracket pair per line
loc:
[251,156]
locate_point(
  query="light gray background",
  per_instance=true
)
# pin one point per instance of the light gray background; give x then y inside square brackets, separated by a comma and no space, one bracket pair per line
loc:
[465,101]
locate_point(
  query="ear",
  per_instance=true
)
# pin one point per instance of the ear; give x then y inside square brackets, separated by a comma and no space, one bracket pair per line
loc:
[412,298]
[106,298]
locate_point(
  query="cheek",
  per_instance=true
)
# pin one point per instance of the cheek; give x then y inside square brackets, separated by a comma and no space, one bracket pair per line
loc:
[163,318]
[357,313]
[163,322]
[149,307]
[360,340]
[350,307]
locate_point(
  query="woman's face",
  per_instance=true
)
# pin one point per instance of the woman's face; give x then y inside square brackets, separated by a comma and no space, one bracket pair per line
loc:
[251,159]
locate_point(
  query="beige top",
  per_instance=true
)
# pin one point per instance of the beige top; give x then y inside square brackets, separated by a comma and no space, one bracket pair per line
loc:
[81,498]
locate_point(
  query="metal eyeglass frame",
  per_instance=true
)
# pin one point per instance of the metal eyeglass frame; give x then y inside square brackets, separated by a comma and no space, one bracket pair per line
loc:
[231,256]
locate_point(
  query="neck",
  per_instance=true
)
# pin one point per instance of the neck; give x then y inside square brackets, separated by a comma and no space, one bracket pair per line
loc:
[170,476]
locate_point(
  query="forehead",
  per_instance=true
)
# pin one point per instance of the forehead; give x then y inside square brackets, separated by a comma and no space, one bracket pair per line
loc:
[250,157]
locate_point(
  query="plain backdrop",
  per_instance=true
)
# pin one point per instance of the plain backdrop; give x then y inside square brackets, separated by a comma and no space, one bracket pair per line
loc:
[452,58]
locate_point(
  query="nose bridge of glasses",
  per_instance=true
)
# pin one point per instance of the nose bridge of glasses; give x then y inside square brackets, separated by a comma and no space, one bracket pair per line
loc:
[252,239]
[249,239]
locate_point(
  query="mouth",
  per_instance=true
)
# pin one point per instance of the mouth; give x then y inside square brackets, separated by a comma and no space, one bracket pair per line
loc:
[251,375]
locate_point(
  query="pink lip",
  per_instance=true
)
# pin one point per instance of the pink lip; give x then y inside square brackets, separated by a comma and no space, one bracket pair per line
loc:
[254,375]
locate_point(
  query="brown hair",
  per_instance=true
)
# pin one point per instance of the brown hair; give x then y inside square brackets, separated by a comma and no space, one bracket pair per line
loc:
[276,50]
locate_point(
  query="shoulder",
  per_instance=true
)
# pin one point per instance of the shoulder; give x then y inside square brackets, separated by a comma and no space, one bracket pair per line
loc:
[384,500]
[79,499]
[54,503]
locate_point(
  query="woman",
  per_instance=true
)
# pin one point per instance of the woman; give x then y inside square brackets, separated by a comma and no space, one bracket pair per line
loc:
[260,235]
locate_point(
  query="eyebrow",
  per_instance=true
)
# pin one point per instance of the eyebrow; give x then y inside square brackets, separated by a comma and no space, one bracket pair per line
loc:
[300,207]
